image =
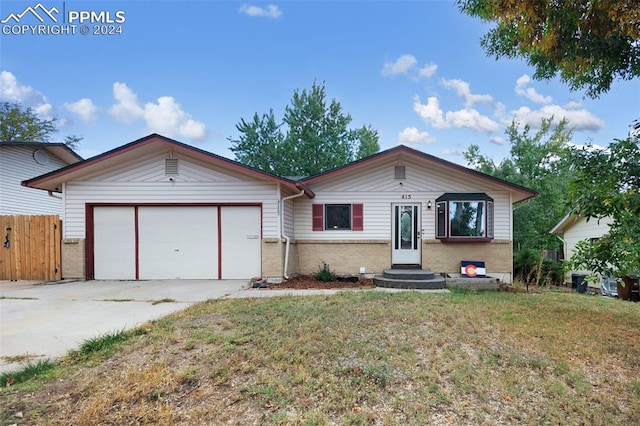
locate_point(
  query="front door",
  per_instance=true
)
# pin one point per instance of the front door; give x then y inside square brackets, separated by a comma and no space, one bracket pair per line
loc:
[405,232]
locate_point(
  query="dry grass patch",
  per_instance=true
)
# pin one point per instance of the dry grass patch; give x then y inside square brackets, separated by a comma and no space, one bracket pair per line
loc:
[360,358]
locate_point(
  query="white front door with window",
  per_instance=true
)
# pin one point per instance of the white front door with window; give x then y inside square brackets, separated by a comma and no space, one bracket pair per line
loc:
[405,233]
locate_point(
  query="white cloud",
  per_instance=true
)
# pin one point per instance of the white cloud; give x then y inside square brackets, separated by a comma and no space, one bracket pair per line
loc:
[468,118]
[578,119]
[127,110]
[402,65]
[463,89]
[270,11]
[497,140]
[430,112]
[428,70]
[407,65]
[411,135]
[165,117]
[448,151]
[11,90]
[84,108]
[573,105]
[530,93]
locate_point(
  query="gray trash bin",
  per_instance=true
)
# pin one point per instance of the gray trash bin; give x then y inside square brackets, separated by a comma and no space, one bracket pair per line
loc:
[579,282]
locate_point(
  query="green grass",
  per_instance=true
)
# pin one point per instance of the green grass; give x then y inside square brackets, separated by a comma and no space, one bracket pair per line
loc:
[103,345]
[360,358]
[30,371]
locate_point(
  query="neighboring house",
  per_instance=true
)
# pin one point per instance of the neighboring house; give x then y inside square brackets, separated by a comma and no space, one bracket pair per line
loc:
[156,208]
[573,228]
[23,160]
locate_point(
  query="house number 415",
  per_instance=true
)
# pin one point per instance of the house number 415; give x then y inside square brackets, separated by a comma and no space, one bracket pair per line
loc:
[406,196]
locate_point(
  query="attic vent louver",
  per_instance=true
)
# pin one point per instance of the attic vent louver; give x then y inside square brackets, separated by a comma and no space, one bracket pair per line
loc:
[400,172]
[171,166]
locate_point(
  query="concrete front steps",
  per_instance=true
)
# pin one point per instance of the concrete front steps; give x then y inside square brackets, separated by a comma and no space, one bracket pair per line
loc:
[415,279]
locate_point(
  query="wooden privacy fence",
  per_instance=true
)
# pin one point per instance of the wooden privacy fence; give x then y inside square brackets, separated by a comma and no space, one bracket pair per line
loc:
[30,248]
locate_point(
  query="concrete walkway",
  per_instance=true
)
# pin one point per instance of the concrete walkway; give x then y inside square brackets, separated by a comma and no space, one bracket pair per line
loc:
[46,320]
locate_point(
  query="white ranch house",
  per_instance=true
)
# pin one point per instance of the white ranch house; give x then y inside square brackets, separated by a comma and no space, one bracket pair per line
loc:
[573,228]
[23,160]
[157,208]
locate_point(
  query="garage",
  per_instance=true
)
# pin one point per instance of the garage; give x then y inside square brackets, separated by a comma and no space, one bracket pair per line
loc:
[176,242]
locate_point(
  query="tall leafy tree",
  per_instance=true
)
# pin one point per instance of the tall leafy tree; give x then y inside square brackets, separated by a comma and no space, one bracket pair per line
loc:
[541,161]
[607,184]
[314,136]
[588,43]
[259,143]
[19,124]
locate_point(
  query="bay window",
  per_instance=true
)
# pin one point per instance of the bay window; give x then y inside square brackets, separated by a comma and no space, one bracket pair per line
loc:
[464,217]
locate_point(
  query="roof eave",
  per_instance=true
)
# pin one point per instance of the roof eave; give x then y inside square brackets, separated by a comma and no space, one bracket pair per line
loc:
[526,193]
[56,177]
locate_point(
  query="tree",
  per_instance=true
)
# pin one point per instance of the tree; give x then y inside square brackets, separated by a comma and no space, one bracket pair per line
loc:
[607,184]
[317,137]
[259,143]
[587,42]
[23,125]
[542,162]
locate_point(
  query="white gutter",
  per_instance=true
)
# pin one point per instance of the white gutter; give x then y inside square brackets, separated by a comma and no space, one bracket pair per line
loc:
[286,251]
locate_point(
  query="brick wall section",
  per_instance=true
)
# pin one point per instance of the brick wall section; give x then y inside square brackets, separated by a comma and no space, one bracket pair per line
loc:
[344,256]
[272,257]
[72,257]
[294,260]
[446,257]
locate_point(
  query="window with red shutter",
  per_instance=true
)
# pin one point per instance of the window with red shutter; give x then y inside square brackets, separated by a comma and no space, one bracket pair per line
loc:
[318,217]
[357,219]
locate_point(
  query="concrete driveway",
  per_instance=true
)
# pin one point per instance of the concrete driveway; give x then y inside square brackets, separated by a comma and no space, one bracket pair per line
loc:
[47,321]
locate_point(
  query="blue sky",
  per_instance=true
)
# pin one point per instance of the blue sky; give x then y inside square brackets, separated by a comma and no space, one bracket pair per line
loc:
[190,70]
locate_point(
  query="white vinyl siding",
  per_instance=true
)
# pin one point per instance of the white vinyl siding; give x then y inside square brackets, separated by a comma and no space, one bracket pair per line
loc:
[581,230]
[16,165]
[289,217]
[376,188]
[148,184]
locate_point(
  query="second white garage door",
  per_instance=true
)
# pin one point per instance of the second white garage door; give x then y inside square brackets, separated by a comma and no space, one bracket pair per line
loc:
[177,242]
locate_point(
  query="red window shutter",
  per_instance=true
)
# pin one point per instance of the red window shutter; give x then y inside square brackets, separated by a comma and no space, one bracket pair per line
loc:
[357,219]
[318,217]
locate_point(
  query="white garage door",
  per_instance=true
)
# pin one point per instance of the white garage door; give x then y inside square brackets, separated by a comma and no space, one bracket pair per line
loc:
[114,243]
[177,242]
[240,242]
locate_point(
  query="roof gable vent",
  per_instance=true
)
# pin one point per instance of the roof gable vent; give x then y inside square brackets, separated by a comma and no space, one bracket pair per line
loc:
[171,166]
[400,172]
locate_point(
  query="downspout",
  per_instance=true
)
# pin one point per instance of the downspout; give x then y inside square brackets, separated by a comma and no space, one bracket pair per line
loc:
[287,239]
[54,196]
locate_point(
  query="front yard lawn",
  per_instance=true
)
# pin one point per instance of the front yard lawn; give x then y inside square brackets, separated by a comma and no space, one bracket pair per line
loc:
[359,357]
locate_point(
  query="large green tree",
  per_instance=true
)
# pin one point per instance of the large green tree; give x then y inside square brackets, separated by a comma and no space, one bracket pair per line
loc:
[541,161]
[607,184]
[18,124]
[314,136]
[588,43]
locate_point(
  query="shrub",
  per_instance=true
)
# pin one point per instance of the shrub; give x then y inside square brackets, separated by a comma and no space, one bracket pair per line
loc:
[325,274]
[532,268]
